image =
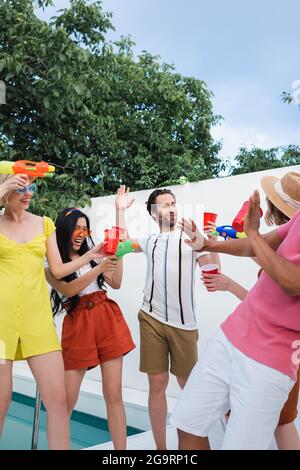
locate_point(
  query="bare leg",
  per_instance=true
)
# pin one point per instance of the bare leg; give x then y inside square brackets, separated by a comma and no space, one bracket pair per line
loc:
[5,390]
[158,408]
[287,437]
[48,370]
[112,391]
[73,380]
[181,381]
[191,442]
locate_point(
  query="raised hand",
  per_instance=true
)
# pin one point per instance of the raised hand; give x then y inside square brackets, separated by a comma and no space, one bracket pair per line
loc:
[15,182]
[123,200]
[252,219]
[189,227]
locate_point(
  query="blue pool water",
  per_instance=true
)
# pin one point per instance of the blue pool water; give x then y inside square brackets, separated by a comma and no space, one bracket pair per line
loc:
[86,430]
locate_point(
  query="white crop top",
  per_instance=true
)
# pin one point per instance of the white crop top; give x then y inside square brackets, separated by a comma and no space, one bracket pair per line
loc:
[93,286]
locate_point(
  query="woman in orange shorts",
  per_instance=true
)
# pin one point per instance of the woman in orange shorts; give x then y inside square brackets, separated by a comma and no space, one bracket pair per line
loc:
[94,329]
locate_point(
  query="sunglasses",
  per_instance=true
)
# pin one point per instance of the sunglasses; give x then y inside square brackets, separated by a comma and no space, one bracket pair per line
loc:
[85,232]
[31,188]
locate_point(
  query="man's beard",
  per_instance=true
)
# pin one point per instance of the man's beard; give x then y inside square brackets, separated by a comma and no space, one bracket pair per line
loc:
[168,223]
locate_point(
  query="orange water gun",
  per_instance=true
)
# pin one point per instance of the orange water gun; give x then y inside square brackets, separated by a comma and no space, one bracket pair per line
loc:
[25,167]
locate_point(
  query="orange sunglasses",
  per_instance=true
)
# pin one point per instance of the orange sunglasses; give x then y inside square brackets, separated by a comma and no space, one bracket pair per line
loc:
[82,231]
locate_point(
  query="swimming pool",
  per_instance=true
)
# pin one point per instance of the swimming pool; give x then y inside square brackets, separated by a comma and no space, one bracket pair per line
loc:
[86,430]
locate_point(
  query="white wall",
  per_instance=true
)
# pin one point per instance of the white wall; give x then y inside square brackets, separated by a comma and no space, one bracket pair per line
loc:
[224,196]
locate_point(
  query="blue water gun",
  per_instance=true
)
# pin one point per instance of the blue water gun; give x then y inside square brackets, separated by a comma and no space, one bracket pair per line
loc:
[227,231]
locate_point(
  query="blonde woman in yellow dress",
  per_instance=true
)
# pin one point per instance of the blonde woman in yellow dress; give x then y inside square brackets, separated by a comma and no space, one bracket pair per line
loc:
[27,329]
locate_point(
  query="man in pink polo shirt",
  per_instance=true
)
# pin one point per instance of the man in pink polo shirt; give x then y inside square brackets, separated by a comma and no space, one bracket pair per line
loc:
[251,364]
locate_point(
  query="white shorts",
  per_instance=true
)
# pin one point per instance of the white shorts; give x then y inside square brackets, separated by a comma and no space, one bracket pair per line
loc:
[223,379]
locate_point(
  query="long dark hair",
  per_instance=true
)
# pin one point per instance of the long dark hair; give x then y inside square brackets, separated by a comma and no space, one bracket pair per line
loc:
[65,226]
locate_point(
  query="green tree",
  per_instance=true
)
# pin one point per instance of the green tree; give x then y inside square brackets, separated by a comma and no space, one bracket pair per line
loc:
[256,159]
[294,97]
[98,113]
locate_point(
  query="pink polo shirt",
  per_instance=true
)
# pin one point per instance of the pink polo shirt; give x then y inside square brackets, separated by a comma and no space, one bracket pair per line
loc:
[266,325]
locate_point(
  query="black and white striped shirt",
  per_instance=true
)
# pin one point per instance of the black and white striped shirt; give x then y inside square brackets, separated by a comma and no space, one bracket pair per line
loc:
[169,288]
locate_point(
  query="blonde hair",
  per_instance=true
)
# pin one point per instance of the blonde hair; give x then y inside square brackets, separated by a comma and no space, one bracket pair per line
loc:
[3,199]
[274,216]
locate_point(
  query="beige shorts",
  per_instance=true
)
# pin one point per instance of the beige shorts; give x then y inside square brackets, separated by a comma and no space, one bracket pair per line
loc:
[161,343]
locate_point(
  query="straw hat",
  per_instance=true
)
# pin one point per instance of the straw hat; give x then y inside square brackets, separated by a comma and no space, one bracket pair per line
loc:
[284,193]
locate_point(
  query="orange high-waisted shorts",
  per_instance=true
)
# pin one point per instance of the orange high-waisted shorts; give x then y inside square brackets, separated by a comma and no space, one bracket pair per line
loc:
[94,332]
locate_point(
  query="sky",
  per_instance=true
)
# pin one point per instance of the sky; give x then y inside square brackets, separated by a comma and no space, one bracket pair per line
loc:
[246,51]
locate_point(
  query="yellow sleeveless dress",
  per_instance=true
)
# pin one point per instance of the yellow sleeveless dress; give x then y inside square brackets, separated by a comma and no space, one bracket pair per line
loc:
[26,322]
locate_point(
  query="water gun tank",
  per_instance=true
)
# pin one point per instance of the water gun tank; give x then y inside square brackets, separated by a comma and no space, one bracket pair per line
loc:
[238,221]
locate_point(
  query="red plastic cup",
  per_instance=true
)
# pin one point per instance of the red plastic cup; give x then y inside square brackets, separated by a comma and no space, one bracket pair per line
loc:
[209,269]
[122,233]
[209,217]
[111,241]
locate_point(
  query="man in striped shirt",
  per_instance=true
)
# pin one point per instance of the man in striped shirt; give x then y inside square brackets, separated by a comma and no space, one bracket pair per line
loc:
[168,328]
